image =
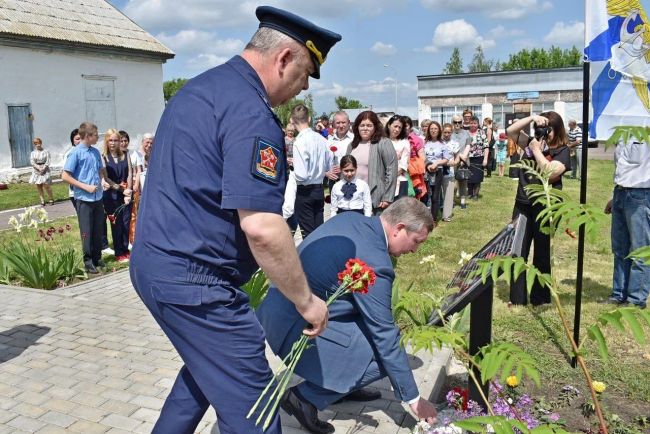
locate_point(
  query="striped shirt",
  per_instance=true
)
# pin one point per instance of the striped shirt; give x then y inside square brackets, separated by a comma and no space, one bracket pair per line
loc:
[574,135]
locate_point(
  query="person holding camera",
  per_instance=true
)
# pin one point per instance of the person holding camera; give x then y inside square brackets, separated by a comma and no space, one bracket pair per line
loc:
[548,148]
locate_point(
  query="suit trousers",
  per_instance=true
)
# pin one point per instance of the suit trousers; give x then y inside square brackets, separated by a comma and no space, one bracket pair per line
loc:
[222,346]
[310,205]
[321,398]
[541,257]
[91,220]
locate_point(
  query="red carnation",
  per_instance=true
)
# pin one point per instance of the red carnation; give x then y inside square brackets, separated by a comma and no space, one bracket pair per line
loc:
[333,148]
[111,218]
[464,397]
[357,276]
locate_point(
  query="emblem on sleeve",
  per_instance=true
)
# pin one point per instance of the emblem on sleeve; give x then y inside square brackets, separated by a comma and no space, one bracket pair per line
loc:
[266,160]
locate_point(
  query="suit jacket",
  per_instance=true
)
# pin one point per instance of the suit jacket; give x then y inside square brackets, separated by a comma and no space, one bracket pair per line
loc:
[382,171]
[361,326]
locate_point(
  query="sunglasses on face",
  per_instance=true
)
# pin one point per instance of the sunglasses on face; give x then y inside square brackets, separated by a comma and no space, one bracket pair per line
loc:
[457,122]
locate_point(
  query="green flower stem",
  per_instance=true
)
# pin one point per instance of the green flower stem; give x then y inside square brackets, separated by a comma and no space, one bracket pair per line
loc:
[581,362]
[282,379]
[268,386]
[282,387]
[565,324]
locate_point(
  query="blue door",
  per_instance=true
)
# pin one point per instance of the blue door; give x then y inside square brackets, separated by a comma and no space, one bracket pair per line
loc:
[20,134]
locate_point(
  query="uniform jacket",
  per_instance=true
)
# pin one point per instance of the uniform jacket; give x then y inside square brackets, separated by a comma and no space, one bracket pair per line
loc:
[360,326]
[382,171]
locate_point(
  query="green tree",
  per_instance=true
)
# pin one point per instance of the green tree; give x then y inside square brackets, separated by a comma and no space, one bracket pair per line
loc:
[170,87]
[540,58]
[283,112]
[343,103]
[479,63]
[455,63]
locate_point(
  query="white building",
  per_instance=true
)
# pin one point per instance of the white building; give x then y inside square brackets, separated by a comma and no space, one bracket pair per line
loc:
[502,96]
[66,61]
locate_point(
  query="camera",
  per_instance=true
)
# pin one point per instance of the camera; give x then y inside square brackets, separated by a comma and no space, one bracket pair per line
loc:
[541,132]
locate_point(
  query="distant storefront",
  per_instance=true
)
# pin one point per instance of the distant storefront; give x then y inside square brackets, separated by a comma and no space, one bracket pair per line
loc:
[502,96]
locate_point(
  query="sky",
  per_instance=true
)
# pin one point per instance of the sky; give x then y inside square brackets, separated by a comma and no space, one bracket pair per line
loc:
[385,42]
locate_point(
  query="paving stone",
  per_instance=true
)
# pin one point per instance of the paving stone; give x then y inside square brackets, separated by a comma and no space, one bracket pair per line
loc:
[26,424]
[58,419]
[6,416]
[105,366]
[33,398]
[120,422]
[90,414]
[52,429]
[85,427]
[59,405]
[146,415]
[119,407]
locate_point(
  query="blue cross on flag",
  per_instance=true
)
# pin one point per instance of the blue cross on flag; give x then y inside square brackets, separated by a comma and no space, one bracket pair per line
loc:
[617,44]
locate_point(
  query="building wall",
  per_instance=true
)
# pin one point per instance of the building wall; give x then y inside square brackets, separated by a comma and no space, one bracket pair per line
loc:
[53,83]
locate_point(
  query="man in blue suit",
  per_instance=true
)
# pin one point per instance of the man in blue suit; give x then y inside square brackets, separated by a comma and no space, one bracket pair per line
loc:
[361,343]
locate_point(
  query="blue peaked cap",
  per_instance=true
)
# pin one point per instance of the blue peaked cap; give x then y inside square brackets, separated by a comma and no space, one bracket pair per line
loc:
[317,40]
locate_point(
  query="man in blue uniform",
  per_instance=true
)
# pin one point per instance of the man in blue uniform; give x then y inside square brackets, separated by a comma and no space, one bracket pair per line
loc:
[210,213]
[362,342]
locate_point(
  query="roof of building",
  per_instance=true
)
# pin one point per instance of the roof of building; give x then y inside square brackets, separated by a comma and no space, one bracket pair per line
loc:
[87,22]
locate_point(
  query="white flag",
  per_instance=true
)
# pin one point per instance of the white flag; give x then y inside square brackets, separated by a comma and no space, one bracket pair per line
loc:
[617,43]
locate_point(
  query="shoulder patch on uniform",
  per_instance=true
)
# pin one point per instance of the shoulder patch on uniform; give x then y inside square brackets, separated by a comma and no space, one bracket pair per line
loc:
[266,160]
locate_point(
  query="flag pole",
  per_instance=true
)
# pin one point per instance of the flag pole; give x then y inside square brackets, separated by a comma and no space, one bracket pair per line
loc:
[583,194]
[583,200]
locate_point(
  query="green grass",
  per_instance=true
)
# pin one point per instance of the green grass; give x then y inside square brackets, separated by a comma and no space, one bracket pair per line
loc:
[538,332]
[68,238]
[22,195]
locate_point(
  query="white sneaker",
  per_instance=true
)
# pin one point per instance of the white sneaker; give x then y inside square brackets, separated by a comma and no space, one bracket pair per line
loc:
[108,251]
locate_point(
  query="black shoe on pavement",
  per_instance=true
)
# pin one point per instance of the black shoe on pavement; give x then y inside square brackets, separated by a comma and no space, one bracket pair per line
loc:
[361,395]
[91,269]
[305,413]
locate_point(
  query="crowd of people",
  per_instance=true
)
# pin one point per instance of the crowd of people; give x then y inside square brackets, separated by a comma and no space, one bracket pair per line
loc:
[104,186]
[441,165]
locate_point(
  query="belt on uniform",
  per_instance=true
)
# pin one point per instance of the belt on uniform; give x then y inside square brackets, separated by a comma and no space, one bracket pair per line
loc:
[309,186]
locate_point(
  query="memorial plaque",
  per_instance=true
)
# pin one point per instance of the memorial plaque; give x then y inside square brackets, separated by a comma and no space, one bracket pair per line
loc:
[507,242]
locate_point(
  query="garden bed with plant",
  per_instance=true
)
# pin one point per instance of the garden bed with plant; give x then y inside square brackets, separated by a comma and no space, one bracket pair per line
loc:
[533,339]
[36,252]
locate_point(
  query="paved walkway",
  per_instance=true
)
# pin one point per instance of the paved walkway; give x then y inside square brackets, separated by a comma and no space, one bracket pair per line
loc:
[58,210]
[90,359]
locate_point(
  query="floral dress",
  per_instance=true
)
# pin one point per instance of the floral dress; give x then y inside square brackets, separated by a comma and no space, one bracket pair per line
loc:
[477,149]
[41,158]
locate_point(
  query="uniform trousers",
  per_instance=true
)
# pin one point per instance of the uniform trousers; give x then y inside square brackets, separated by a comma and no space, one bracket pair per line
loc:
[541,257]
[91,219]
[221,343]
[310,205]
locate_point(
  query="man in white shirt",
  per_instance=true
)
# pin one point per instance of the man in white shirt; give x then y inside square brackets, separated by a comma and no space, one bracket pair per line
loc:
[630,208]
[311,160]
[339,140]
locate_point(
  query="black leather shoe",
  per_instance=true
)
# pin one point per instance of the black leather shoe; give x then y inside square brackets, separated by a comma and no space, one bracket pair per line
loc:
[305,413]
[91,269]
[361,395]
